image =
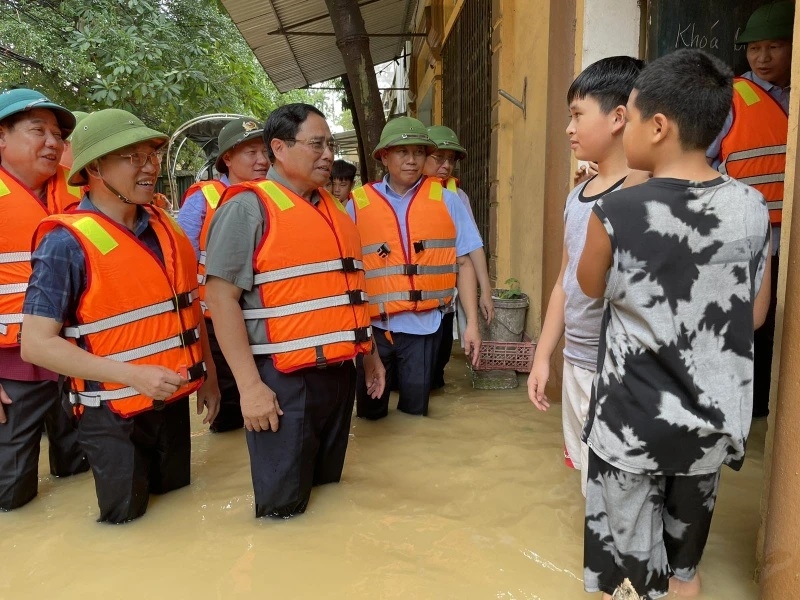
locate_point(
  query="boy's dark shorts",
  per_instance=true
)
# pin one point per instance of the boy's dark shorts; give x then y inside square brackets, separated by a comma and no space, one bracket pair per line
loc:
[647,528]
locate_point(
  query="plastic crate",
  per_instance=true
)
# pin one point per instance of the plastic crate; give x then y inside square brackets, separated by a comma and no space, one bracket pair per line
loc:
[512,356]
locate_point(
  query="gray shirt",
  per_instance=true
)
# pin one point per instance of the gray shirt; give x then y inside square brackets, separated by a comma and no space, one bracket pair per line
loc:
[582,315]
[674,390]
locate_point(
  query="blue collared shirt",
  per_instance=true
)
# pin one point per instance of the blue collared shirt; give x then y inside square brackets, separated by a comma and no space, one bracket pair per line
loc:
[467,240]
[193,213]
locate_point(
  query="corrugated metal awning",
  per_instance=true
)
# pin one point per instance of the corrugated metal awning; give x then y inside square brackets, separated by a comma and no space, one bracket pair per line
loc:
[273,28]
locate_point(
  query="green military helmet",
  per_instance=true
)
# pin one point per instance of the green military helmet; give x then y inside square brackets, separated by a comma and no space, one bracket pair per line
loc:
[446,139]
[103,132]
[773,21]
[403,131]
[234,133]
[79,116]
[23,99]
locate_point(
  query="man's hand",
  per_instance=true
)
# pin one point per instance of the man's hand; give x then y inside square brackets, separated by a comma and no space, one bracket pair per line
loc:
[374,374]
[537,381]
[209,396]
[4,399]
[472,343]
[487,306]
[154,381]
[260,408]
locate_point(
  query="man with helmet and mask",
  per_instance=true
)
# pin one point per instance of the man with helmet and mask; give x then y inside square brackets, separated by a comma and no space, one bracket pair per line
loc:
[416,239]
[242,157]
[112,304]
[32,186]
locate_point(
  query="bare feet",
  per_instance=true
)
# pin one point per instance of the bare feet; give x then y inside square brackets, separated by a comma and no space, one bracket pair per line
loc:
[685,589]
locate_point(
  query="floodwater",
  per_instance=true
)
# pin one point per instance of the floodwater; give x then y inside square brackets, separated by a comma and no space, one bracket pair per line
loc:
[473,502]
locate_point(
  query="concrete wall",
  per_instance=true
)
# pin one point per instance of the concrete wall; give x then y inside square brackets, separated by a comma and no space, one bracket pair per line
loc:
[610,28]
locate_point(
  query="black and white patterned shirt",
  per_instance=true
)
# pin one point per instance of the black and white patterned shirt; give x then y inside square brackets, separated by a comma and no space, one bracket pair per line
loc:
[673,393]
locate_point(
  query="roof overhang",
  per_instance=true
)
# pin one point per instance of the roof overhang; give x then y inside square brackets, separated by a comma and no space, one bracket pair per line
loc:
[294,39]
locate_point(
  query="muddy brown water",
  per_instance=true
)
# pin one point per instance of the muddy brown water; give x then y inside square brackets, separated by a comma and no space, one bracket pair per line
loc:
[472,502]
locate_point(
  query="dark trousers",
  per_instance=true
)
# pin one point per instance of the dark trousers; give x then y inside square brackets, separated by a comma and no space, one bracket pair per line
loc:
[230,411]
[442,357]
[763,342]
[311,442]
[134,457]
[409,359]
[36,406]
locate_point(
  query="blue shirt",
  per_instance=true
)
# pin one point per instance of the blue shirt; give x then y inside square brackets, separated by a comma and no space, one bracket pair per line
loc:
[58,277]
[193,213]
[467,240]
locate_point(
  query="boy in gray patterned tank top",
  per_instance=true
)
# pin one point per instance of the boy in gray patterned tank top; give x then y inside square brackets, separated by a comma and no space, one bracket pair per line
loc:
[596,102]
[682,263]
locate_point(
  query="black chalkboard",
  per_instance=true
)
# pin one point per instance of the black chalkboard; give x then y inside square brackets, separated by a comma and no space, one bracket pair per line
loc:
[711,25]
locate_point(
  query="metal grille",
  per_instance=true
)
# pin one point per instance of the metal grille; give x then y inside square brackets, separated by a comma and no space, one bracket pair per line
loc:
[466,103]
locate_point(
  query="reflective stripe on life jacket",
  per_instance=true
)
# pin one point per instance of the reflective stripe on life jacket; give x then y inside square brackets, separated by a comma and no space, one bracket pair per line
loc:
[420,279]
[151,318]
[212,191]
[20,213]
[451,184]
[309,279]
[754,150]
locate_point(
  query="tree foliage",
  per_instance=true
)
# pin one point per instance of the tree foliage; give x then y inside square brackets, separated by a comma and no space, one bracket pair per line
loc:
[164,60]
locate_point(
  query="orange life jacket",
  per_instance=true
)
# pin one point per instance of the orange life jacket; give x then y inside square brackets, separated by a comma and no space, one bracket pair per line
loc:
[310,280]
[754,151]
[119,318]
[20,213]
[212,192]
[420,279]
[451,184]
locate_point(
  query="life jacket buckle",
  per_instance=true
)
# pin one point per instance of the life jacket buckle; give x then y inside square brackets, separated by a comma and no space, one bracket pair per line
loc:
[159,404]
[362,334]
[181,301]
[415,295]
[357,297]
[419,246]
[410,269]
[384,250]
[190,336]
[349,264]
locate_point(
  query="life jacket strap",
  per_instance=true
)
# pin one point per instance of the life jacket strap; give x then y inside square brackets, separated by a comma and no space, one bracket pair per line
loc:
[360,335]
[761,179]
[12,319]
[751,153]
[185,338]
[13,288]
[411,296]
[354,297]
[421,245]
[14,257]
[348,265]
[411,270]
[202,259]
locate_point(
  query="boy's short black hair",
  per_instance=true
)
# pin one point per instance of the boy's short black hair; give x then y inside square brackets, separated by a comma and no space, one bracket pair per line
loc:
[609,81]
[343,169]
[690,87]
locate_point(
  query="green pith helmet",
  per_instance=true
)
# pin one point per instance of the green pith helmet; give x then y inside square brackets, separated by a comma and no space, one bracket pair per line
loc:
[773,21]
[103,132]
[233,134]
[403,131]
[446,139]
[79,116]
[22,99]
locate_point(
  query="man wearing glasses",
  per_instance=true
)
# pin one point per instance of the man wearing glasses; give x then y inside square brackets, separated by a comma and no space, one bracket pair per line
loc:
[32,186]
[285,286]
[112,304]
[441,163]
[242,157]
[417,239]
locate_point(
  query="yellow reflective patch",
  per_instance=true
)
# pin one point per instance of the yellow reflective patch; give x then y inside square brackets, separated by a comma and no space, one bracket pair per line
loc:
[276,194]
[451,185]
[95,233]
[748,94]
[4,191]
[360,196]
[212,195]
[437,191]
[339,204]
[75,191]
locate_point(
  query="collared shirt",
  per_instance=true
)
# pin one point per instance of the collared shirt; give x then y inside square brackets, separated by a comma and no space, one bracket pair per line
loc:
[193,213]
[467,240]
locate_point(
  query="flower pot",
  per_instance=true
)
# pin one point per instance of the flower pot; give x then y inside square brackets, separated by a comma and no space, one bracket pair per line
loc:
[508,324]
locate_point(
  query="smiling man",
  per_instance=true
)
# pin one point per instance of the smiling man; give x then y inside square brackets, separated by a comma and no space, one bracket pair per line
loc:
[286,292]
[32,186]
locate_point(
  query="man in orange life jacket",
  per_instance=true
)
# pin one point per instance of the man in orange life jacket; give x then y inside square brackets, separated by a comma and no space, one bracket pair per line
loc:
[32,186]
[441,163]
[417,237]
[242,157]
[286,293]
[112,304]
[752,148]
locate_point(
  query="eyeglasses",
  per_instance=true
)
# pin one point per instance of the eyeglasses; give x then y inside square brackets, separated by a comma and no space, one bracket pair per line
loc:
[440,160]
[139,159]
[318,146]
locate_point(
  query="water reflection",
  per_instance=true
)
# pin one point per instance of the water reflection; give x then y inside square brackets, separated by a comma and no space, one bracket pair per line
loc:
[472,502]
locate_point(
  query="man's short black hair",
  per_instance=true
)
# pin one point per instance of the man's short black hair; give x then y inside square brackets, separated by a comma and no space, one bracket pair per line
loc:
[690,87]
[609,81]
[284,122]
[343,169]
